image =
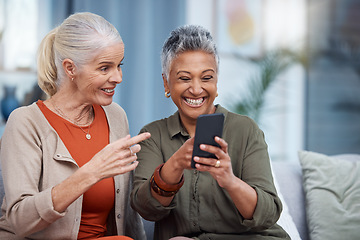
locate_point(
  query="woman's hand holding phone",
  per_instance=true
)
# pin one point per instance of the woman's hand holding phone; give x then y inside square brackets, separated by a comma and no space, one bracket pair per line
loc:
[208,127]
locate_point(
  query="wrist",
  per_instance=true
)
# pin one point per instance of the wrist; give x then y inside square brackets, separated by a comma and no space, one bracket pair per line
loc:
[173,164]
[234,185]
[163,188]
[88,176]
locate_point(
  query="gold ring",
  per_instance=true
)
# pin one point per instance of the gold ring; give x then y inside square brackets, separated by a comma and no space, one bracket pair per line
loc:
[217,164]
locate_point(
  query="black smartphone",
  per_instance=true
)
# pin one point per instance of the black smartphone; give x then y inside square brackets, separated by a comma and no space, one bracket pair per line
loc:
[208,126]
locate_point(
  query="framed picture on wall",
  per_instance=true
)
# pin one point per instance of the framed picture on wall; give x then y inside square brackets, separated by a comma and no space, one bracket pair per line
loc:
[239,27]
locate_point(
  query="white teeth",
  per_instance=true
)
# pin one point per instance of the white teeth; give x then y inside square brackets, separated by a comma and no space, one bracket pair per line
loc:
[194,101]
[108,90]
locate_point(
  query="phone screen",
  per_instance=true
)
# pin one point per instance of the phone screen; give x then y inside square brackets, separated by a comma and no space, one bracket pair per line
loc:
[208,126]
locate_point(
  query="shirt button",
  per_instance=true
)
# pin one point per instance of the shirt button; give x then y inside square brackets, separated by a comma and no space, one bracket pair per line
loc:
[58,155]
[117,190]
[119,216]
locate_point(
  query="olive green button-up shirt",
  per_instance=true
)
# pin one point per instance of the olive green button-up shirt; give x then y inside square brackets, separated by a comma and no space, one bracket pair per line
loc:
[202,209]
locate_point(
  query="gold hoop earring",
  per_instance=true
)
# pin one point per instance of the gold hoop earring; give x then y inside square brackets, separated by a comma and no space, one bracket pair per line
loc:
[167,94]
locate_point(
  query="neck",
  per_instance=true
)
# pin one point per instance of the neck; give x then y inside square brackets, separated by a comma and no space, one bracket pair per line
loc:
[81,115]
[190,124]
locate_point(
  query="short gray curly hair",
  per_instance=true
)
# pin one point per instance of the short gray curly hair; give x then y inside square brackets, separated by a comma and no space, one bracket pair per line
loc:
[187,38]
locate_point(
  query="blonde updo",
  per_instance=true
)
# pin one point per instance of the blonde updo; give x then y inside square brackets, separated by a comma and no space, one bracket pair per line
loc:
[78,38]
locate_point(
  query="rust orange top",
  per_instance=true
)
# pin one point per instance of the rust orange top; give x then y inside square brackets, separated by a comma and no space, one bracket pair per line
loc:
[99,199]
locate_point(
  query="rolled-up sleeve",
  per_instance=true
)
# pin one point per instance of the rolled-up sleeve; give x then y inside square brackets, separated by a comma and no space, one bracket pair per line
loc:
[256,171]
[142,200]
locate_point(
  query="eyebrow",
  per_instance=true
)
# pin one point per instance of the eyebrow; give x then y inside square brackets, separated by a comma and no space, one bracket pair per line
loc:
[101,63]
[110,62]
[183,71]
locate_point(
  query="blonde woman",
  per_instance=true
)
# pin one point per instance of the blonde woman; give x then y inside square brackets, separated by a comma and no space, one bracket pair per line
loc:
[67,161]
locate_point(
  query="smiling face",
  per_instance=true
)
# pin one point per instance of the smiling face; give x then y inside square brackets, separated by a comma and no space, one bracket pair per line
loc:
[96,81]
[192,83]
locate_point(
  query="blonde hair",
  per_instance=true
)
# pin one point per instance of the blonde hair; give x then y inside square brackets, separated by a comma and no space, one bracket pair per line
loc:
[78,38]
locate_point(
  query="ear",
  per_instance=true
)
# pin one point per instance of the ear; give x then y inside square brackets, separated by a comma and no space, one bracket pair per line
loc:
[69,67]
[166,84]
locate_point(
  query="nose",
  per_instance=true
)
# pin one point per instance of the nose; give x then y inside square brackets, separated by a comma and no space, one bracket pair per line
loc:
[116,76]
[196,87]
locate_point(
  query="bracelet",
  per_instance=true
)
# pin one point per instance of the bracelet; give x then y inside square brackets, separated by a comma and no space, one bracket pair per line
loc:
[159,191]
[162,188]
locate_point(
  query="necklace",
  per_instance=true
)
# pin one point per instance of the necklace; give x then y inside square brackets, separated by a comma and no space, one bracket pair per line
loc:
[62,114]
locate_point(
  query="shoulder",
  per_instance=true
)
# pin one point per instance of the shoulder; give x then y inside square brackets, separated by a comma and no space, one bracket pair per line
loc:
[162,126]
[115,113]
[26,114]
[27,121]
[114,109]
[232,118]
[156,125]
[238,124]
[117,120]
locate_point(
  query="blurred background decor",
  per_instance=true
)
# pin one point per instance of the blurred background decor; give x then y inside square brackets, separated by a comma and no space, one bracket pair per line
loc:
[239,26]
[313,107]
[2,29]
[292,65]
[268,67]
[9,101]
[333,80]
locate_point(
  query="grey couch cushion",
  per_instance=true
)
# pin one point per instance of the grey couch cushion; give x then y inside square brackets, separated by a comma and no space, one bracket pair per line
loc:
[289,178]
[2,191]
[332,191]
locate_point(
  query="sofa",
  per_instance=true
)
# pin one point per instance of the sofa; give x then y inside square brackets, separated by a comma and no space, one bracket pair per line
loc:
[289,181]
[293,193]
[320,195]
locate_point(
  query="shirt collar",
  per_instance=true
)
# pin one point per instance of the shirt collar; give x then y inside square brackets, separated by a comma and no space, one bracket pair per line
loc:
[175,127]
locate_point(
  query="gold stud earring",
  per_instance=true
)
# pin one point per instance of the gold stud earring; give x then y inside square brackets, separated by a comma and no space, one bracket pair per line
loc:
[217,94]
[167,94]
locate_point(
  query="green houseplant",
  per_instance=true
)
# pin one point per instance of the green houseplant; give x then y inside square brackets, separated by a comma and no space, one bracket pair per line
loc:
[268,67]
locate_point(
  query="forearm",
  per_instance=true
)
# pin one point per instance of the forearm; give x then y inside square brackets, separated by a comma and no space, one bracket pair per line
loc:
[171,174]
[66,192]
[165,201]
[244,197]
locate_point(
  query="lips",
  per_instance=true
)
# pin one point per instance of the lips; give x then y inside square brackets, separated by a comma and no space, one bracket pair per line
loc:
[194,102]
[108,90]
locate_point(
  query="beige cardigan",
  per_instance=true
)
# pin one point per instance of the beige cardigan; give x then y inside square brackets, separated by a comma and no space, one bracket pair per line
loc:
[33,160]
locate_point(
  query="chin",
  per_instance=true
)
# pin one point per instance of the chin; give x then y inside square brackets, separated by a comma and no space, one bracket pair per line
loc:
[194,114]
[105,102]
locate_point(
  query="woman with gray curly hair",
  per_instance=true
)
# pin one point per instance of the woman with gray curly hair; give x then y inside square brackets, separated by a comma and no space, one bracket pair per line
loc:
[67,162]
[229,196]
